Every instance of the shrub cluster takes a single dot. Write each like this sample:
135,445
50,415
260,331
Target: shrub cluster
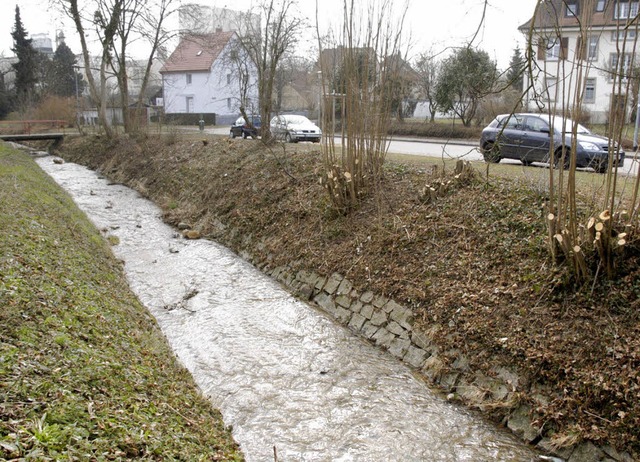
434,130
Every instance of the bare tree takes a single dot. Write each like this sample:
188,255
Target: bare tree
155,34
400,85
266,43
237,58
107,25
428,67
117,24
140,20
362,82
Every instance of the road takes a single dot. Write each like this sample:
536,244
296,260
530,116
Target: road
454,149
415,147
447,149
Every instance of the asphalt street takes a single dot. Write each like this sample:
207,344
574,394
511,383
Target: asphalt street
447,149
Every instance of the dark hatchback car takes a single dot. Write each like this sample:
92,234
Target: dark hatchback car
241,128
527,137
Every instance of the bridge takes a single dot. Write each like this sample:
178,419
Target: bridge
33,137
25,130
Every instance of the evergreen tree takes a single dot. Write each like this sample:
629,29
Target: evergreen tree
4,97
516,68
64,78
26,67
44,69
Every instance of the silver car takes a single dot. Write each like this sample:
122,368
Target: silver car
527,137
293,128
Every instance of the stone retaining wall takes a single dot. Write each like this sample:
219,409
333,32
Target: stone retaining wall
389,325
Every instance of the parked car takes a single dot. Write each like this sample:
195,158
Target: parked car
294,128
241,128
527,137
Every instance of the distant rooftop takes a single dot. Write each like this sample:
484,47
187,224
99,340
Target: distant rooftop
197,52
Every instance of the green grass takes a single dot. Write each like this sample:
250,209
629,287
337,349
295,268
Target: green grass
85,373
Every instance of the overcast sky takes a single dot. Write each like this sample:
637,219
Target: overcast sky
434,24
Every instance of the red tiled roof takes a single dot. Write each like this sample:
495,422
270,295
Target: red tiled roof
197,52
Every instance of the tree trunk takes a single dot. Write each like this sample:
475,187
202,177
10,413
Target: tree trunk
98,95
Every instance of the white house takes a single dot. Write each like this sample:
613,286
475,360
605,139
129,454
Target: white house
583,48
199,77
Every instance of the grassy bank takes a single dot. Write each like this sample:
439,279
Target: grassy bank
85,373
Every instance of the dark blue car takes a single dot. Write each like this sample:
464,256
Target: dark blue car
243,129
527,137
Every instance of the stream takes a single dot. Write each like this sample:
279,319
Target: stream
285,377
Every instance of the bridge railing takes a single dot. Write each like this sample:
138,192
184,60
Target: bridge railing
28,126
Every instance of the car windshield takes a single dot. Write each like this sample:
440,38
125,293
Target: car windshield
254,119
515,120
297,120
568,126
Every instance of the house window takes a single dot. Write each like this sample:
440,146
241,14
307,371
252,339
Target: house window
514,122
550,88
623,34
620,65
590,91
554,50
625,9
592,47
590,51
228,79
600,5
189,79
571,8
229,103
536,124
189,102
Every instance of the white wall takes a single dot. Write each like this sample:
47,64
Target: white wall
566,73
212,92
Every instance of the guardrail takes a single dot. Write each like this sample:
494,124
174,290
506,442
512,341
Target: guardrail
26,126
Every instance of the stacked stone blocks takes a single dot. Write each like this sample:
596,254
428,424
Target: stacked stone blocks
389,325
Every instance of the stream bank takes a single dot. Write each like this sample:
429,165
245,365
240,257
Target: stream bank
489,337
287,379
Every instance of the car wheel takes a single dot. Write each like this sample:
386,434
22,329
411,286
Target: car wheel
558,158
525,161
244,135
600,166
232,134
287,138
491,153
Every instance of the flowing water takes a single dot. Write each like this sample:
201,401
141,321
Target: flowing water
282,374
